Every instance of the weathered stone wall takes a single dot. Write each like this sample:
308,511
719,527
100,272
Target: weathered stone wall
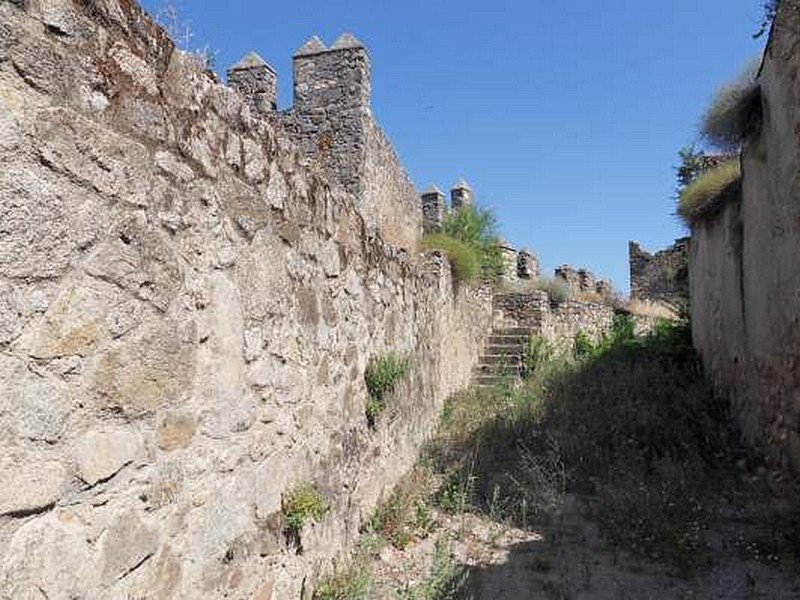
186,314
744,276
558,322
660,277
388,190
332,123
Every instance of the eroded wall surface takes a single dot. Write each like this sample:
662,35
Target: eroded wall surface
660,277
186,314
744,276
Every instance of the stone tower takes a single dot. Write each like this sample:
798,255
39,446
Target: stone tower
255,81
432,209
461,195
332,92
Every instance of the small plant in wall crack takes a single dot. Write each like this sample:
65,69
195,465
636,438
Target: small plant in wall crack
382,376
301,504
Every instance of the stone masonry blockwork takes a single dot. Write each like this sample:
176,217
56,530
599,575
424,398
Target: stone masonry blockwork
188,302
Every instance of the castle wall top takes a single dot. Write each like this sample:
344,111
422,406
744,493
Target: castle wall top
314,45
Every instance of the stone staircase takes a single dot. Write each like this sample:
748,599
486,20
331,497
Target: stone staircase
501,360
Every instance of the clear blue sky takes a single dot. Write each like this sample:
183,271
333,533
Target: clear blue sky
564,116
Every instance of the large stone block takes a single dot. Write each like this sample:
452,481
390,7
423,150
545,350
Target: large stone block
32,406
101,453
124,546
136,258
48,557
97,157
45,221
31,483
151,368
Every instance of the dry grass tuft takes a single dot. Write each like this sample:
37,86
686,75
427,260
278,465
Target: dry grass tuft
701,195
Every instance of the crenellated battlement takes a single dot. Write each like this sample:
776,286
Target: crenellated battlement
332,125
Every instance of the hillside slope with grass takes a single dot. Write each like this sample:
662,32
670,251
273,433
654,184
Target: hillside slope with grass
613,472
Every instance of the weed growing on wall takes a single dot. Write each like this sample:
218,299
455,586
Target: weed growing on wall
302,504
181,33
464,259
708,187
381,377
477,228
405,515
734,111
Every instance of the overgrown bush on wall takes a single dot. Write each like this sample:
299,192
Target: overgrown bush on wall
699,196
464,259
469,239
734,111
382,376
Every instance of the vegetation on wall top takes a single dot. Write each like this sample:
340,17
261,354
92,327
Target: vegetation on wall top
705,176
734,110
469,240
700,195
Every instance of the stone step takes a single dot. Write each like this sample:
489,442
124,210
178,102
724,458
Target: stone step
508,336
495,371
523,331
507,342
503,359
491,381
495,350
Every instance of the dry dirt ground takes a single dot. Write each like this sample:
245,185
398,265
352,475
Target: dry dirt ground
568,560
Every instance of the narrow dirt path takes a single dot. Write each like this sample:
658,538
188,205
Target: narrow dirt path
568,560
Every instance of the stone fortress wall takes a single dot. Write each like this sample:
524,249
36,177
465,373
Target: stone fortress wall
743,266
192,284
559,322
332,124
191,287
660,277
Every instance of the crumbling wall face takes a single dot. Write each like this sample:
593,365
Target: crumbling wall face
186,314
744,276
660,277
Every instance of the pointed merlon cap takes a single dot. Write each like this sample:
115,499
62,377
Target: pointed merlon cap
432,190
505,244
314,45
251,61
461,185
346,40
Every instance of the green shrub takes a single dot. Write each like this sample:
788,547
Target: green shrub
352,584
584,346
454,497
537,355
734,111
707,187
477,228
464,259
382,376
557,289
301,504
